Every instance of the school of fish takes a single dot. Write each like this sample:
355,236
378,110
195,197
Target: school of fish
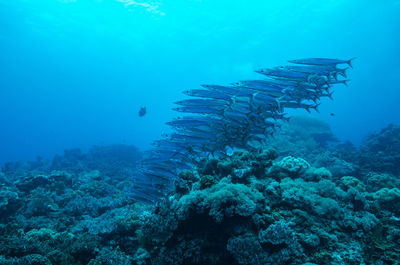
217,118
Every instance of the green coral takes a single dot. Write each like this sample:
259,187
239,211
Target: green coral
267,155
221,200
319,197
388,199
347,182
379,181
207,181
293,164
6,196
316,174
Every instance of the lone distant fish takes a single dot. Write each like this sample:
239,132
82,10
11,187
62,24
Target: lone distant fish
142,111
322,61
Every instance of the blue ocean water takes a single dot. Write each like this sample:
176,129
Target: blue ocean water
75,73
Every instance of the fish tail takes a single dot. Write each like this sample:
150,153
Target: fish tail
279,105
330,95
349,62
341,73
345,82
344,73
316,107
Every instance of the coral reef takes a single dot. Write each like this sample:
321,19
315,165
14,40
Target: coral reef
285,212
68,217
249,207
380,152
302,136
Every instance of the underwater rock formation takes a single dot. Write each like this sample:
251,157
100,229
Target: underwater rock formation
313,140
251,207
67,217
283,212
113,160
380,152
302,136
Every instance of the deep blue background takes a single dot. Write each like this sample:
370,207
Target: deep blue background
74,73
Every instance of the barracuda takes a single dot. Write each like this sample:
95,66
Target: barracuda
323,61
235,116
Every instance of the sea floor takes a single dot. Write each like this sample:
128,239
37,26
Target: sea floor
302,198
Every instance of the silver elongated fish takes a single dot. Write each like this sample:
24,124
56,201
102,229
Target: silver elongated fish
177,164
200,102
186,123
285,74
164,175
322,61
162,169
344,82
201,134
296,105
166,143
147,183
142,196
262,84
202,93
169,153
261,97
316,69
268,91
237,115
245,109
234,91
209,119
189,138
200,110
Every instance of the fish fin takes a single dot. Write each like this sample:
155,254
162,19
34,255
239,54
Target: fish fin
349,62
316,107
278,102
330,94
345,82
336,75
344,72
308,109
